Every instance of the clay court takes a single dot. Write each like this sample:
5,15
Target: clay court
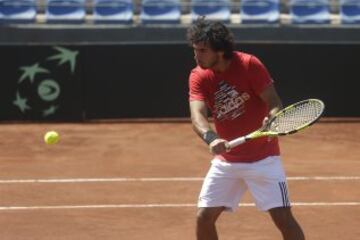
136,181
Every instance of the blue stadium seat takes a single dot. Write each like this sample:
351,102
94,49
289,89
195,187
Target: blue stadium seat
350,11
65,11
18,11
160,11
113,11
310,11
260,11
218,10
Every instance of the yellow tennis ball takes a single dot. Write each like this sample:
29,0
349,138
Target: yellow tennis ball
51,137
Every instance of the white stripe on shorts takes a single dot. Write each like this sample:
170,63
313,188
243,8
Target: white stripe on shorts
284,194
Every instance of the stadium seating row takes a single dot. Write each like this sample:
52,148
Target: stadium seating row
169,11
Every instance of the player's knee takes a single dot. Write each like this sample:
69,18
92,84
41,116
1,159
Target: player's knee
283,218
287,224
206,216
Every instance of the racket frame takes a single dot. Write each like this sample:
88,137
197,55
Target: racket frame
264,132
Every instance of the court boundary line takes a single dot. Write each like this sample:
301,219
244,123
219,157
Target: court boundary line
164,205
164,179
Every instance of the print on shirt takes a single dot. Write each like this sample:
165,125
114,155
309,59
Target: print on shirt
229,103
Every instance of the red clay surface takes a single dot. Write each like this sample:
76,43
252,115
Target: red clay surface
327,209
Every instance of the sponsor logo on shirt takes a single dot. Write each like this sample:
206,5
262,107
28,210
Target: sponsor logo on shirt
229,103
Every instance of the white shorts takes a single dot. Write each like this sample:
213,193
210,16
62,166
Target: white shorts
226,183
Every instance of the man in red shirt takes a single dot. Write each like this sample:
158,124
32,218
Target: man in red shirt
238,90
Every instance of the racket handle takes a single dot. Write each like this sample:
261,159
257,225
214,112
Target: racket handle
237,142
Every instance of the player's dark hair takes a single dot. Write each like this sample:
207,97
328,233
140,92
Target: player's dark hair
216,34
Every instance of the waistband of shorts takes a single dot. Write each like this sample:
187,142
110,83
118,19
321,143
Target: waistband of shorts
261,161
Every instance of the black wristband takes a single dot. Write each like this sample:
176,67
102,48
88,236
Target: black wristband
209,136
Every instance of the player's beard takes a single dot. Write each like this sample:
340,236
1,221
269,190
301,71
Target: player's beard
209,64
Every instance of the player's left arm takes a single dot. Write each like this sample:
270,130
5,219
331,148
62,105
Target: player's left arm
270,96
264,87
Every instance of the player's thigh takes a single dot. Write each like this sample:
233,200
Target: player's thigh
281,214
268,184
221,187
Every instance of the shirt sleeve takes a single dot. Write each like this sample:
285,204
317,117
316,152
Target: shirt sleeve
261,78
196,90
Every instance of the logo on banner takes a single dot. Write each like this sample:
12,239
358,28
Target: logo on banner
38,90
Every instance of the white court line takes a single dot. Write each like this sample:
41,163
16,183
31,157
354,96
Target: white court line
168,179
324,178
84,180
180,205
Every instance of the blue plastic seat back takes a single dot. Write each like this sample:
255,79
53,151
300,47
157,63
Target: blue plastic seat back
160,11
212,9
260,11
113,11
310,11
65,10
204,7
350,11
18,10
112,7
160,7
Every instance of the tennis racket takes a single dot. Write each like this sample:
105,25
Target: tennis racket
289,120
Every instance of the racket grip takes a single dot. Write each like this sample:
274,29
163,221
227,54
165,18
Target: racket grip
237,142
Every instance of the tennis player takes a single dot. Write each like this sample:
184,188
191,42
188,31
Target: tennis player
238,90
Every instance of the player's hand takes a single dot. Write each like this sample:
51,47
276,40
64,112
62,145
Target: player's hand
219,146
267,119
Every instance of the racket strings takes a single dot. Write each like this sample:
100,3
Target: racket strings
297,116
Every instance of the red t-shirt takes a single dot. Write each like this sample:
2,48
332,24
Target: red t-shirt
234,99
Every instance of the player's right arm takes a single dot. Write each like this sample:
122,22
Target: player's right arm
201,126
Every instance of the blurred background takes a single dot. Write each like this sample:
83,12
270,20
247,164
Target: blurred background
81,60
111,77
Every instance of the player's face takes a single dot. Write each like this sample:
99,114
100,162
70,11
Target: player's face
204,56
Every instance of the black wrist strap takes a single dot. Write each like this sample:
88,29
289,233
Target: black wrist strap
209,137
